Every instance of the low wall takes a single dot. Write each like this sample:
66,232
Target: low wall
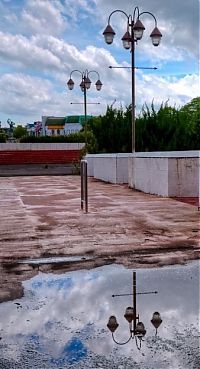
111,168
40,146
174,174
19,154
33,158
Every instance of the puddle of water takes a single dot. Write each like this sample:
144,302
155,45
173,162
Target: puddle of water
61,320
54,260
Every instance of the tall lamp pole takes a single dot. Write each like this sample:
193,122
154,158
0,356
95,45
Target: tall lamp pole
134,33
84,85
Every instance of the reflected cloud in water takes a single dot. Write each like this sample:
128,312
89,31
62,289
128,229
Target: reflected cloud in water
63,317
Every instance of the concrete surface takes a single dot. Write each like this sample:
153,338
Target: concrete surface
41,216
37,169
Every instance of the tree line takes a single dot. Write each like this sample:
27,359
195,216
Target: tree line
164,129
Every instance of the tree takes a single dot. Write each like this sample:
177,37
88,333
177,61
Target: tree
19,131
164,129
2,136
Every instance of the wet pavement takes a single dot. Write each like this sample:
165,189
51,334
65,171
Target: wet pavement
60,322
41,217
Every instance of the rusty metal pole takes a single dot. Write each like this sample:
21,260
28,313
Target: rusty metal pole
82,186
86,187
134,301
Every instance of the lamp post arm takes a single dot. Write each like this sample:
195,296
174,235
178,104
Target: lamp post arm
140,344
134,13
139,15
117,11
76,70
94,71
121,343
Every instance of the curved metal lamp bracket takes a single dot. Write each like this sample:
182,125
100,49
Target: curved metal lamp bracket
122,343
85,73
149,14
134,13
94,71
140,344
76,70
117,11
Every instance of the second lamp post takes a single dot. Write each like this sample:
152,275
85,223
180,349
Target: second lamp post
85,85
134,33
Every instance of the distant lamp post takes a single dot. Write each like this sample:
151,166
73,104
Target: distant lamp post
136,327
85,85
133,34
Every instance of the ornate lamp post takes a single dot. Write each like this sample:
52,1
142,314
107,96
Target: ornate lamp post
133,34
136,327
85,85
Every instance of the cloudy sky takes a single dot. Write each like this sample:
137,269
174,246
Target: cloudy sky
42,41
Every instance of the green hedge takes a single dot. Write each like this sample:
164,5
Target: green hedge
74,137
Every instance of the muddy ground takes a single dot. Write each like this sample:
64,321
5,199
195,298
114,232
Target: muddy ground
41,217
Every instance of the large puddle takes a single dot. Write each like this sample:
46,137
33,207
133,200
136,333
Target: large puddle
61,320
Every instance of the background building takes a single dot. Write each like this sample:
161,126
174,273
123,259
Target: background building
59,126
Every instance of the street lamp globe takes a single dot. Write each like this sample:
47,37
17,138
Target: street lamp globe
156,36
82,86
87,82
126,40
112,324
109,34
98,85
129,314
70,84
138,29
156,319
140,330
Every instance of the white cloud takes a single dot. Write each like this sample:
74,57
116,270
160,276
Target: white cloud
25,93
21,50
177,90
43,16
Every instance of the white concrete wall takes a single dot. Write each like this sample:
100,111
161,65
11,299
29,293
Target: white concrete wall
90,164
166,173
183,176
41,146
175,173
111,168
150,175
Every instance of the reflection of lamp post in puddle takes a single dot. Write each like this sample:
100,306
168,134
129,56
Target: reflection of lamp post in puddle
136,327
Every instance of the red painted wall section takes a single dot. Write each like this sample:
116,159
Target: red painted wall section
39,157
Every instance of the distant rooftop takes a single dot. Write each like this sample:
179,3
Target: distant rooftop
61,121
55,121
